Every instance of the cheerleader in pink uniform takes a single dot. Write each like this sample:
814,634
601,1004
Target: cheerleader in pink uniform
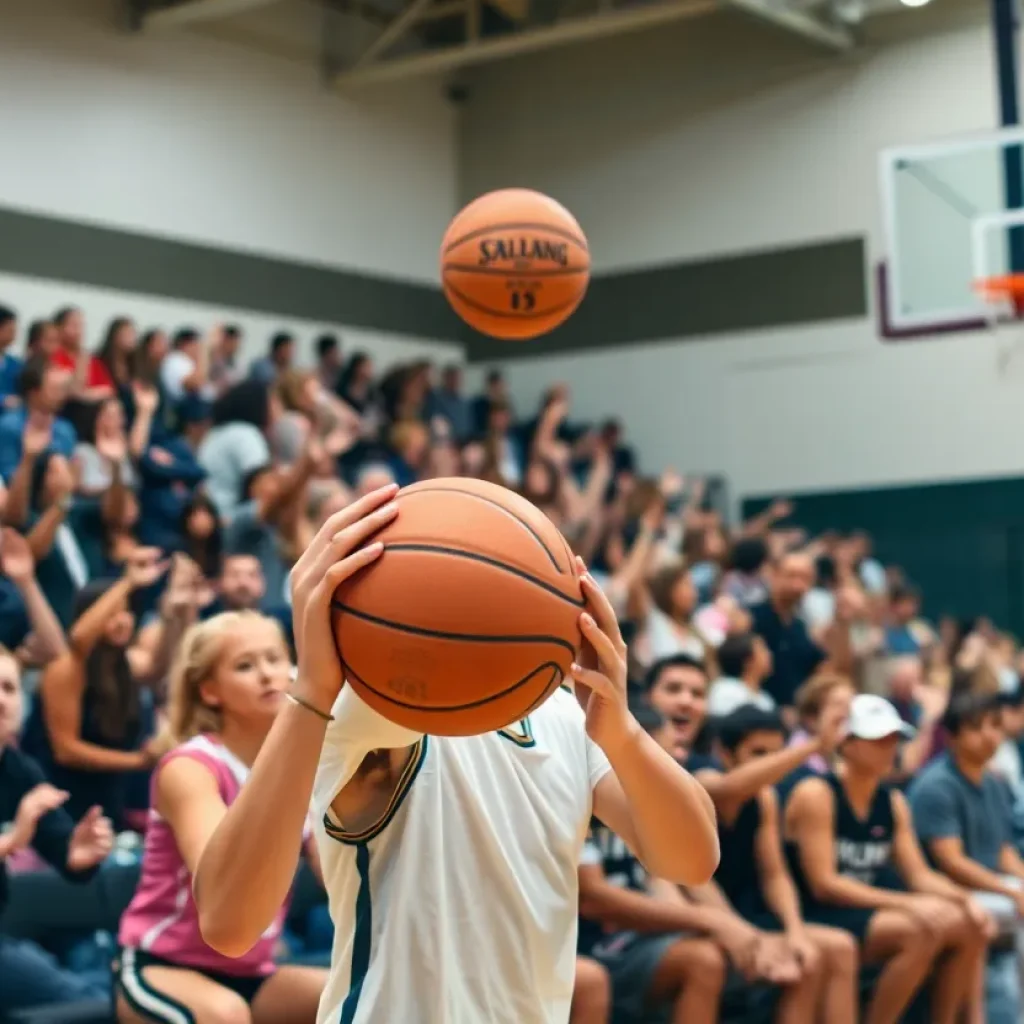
226,688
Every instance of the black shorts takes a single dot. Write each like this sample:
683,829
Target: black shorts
855,920
152,1004
632,961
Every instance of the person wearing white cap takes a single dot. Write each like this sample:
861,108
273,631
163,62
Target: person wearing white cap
849,834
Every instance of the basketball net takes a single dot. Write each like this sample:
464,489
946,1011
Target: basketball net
1004,297
1002,291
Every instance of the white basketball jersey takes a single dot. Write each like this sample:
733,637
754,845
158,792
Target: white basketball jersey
460,905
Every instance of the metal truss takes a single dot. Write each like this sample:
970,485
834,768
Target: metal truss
429,37
609,18
191,12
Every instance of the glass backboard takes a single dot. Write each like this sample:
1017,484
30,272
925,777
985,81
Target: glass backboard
950,216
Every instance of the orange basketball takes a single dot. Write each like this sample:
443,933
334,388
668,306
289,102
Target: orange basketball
469,618
514,264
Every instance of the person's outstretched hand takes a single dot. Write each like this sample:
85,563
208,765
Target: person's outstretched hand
338,551
16,561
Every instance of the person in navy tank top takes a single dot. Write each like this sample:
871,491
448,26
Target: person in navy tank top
858,866
226,688
753,876
654,943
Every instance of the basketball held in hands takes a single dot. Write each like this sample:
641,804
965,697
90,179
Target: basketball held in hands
470,617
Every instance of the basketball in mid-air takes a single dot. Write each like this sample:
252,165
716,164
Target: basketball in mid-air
470,617
514,264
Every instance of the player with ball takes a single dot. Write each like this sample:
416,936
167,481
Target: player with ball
452,773
449,861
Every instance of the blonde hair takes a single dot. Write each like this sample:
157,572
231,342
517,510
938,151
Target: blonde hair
201,648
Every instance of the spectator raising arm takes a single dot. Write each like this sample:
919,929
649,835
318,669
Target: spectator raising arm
65,680
730,790
147,400
151,656
34,441
18,566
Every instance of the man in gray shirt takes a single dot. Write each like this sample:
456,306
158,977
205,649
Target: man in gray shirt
962,814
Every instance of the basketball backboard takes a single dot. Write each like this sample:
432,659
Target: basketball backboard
952,216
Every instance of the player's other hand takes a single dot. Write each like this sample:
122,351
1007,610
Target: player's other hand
338,551
600,673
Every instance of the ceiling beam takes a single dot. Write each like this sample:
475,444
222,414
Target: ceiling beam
797,22
394,31
192,11
574,30
514,10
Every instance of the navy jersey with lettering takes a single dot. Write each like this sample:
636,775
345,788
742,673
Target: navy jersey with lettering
620,868
863,846
737,873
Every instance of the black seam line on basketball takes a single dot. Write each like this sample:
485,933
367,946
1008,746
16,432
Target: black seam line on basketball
349,671
470,268
569,555
438,634
495,229
553,683
504,566
533,314
507,511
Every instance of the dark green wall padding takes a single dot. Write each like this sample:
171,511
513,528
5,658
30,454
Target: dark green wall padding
810,282
962,543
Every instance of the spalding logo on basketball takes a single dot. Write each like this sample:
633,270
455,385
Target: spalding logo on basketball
514,264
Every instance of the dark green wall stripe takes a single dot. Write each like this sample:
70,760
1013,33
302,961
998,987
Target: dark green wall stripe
63,250
794,285
771,288
961,542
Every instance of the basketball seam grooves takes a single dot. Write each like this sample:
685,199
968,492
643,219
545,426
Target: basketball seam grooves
570,556
349,671
507,511
526,225
469,268
458,553
439,634
534,314
554,682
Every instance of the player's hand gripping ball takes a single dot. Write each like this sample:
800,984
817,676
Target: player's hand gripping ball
600,673
343,546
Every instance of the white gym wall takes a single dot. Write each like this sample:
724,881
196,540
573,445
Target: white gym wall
179,136
721,136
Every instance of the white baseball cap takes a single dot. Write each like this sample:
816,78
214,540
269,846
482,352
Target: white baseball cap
874,718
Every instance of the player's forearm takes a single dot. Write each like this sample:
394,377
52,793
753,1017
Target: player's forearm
848,892
8,845
1011,863
736,787
780,895
672,815
972,875
248,866
623,910
43,620
934,884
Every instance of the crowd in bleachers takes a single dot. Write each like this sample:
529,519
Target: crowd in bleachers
866,766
